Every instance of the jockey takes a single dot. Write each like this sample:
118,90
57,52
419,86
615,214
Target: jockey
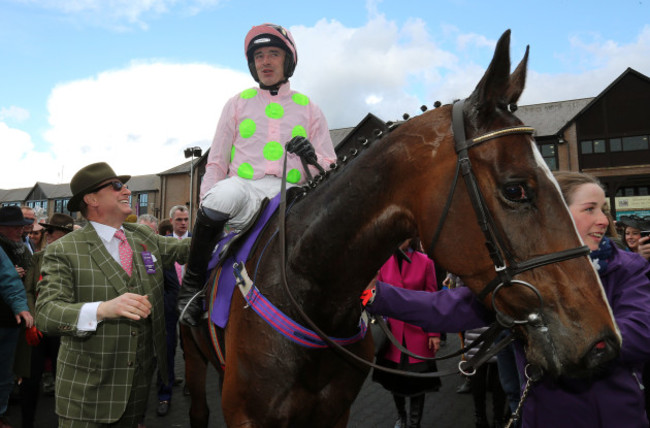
246,157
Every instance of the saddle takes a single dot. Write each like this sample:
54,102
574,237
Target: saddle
235,247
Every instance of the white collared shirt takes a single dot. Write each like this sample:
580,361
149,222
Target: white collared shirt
88,314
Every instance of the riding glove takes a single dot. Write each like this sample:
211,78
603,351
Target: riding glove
302,147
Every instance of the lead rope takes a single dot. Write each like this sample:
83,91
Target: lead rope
530,379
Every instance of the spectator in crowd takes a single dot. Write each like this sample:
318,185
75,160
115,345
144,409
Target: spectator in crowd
245,161
28,214
633,227
165,227
33,348
149,220
410,269
37,237
179,217
102,290
13,299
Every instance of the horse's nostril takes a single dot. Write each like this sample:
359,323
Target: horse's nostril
600,345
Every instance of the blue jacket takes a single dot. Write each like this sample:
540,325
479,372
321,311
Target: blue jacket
614,399
13,299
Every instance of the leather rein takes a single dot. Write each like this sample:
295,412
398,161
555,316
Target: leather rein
504,268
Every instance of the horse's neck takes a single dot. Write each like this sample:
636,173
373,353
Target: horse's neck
353,224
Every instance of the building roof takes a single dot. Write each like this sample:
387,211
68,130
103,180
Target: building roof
184,168
54,191
337,135
144,183
550,118
15,195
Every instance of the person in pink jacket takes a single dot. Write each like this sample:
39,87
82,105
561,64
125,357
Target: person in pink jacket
245,164
410,269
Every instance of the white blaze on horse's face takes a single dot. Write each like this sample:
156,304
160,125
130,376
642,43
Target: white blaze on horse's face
543,166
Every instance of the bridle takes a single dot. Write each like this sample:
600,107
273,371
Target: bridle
505,265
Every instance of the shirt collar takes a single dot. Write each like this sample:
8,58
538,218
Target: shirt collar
105,232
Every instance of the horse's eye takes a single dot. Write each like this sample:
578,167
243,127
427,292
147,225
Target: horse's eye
516,192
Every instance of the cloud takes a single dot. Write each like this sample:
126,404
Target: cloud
378,67
594,64
25,163
115,13
138,119
14,113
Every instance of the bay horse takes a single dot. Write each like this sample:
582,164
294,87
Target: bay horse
347,226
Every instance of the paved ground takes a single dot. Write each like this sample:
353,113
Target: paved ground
373,408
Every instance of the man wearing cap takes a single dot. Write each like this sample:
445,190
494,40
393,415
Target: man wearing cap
13,299
245,161
102,291
28,214
34,347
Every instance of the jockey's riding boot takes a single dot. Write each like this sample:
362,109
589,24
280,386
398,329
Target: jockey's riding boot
416,410
207,231
400,403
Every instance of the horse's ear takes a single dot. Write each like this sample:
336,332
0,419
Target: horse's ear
493,87
518,80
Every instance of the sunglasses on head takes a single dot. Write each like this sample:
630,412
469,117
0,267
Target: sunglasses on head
117,186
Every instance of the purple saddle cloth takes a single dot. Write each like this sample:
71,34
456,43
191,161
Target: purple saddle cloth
226,284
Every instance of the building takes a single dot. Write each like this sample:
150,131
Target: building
606,136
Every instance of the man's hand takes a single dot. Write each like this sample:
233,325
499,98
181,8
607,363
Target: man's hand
27,317
20,271
128,305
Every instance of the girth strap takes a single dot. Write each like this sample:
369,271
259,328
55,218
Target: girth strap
281,322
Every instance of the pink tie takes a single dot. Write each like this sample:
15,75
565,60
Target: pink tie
126,253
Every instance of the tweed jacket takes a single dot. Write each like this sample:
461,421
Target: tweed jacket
96,368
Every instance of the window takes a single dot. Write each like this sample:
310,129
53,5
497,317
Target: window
586,147
599,146
38,204
549,153
144,203
633,191
639,142
61,206
615,145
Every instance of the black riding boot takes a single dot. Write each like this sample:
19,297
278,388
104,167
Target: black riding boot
207,231
416,410
400,403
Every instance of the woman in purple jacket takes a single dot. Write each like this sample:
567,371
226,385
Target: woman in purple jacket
613,398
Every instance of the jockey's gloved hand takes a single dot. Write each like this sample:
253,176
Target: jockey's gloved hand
302,147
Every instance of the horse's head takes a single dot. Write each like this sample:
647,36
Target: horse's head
558,308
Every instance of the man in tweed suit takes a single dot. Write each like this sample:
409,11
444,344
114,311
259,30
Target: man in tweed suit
105,299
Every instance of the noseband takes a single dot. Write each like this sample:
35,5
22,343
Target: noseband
504,264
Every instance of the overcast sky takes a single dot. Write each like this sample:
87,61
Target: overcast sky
135,82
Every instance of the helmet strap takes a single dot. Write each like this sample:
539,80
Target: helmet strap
273,89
